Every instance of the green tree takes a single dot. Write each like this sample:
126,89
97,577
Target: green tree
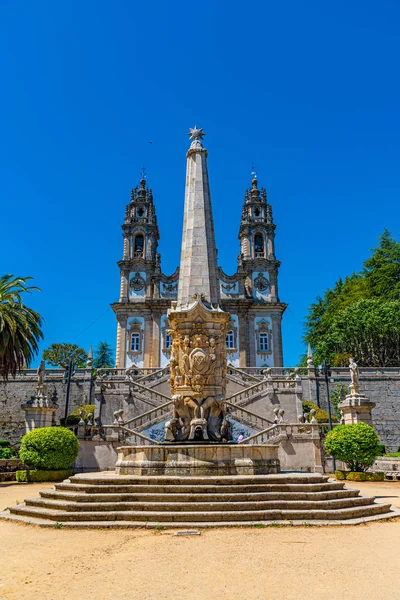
340,324
368,330
103,356
60,355
20,326
382,270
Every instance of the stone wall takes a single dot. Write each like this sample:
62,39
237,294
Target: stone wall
382,386
16,391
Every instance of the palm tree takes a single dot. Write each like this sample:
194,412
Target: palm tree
20,326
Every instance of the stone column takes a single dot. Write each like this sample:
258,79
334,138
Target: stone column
126,246
271,245
148,340
121,341
156,339
277,340
242,316
250,341
123,296
274,286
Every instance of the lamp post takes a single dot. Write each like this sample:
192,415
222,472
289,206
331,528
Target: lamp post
69,375
326,373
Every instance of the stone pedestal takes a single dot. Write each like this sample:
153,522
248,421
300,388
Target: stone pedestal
356,408
39,410
196,459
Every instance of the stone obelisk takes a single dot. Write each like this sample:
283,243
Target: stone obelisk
198,273
198,324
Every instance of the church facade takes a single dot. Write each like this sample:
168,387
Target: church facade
250,296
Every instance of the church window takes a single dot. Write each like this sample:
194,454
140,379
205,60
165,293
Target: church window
140,211
139,245
230,339
263,340
135,342
168,341
259,245
257,212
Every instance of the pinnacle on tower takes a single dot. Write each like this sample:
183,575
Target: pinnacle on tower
198,266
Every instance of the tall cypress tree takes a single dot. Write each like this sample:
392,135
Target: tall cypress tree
103,356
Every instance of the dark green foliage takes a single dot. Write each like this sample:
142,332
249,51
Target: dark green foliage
32,475
356,445
103,356
393,454
49,448
6,453
382,449
20,326
360,476
321,415
75,416
60,355
337,394
360,316
4,443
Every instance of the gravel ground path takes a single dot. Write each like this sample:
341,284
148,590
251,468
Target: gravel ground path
275,563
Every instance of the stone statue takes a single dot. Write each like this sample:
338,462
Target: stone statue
41,372
354,375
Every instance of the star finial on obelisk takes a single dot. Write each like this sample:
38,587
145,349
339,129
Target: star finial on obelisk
196,133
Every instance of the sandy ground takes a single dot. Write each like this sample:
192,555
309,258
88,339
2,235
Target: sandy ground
277,563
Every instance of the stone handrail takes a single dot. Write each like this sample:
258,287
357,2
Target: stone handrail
121,373
152,394
150,417
136,434
242,375
263,436
120,431
247,416
289,430
249,392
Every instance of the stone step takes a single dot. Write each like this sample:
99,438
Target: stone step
171,489
205,517
78,496
281,478
199,506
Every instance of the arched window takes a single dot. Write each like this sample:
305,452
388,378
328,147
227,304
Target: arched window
139,245
263,341
257,212
230,340
135,342
259,245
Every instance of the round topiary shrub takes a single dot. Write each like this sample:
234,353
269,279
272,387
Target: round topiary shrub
356,445
49,448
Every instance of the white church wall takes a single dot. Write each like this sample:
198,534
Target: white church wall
232,356
164,355
135,356
263,337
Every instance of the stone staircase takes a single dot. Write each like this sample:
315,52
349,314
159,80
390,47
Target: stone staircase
109,500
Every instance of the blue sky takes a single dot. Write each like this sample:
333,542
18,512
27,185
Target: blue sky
308,91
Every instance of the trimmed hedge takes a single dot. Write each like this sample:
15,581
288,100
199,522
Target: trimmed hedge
356,445
359,476
35,475
49,448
